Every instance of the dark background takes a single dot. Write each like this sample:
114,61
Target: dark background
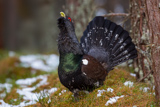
30,26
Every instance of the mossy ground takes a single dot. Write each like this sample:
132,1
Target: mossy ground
9,68
115,80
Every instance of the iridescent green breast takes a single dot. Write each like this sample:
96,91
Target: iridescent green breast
70,62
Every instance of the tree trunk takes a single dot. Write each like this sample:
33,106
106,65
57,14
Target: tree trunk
10,23
153,15
140,35
145,23
1,24
81,12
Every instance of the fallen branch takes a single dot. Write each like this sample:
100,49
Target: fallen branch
116,14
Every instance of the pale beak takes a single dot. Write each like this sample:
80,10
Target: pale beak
62,14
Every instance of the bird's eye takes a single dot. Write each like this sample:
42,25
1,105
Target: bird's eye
69,19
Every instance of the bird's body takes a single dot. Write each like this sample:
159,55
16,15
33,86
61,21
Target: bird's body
84,65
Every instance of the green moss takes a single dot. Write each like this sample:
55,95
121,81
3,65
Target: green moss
10,68
133,96
114,80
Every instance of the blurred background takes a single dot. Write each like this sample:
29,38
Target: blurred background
30,26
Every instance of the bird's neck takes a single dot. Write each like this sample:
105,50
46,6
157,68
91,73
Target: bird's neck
68,42
69,62
70,51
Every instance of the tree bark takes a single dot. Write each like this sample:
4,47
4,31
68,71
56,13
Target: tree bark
145,29
153,15
140,35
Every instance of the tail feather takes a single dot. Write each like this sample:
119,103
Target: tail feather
125,52
116,32
122,47
122,37
107,42
125,58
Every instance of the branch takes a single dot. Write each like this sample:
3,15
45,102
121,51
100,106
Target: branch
145,76
145,54
116,14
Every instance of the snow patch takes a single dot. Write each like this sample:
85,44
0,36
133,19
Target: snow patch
153,88
144,89
63,91
11,53
3,104
100,92
129,84
110,90
29,81
113,100
134,106
132,74
41,62
33,97
27,92
6,86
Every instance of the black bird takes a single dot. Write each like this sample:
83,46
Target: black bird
84,65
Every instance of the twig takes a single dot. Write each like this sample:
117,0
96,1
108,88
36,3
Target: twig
144,76
116,14
145,54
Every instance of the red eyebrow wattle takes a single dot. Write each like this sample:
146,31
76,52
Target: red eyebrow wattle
69,19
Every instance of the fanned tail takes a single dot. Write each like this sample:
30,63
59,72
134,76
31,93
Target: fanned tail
108,42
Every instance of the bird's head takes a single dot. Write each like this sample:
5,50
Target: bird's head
65,22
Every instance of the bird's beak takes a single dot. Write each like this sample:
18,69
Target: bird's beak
62,14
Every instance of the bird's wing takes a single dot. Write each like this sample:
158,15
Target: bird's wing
92,68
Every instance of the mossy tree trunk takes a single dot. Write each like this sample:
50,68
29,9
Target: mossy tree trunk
145,23
140,35
81,12
153,15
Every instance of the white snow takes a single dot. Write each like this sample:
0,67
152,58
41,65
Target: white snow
154,93
29,81
3,104
29,95
63,91
134,106
2,95
27,92
100,92
11,53
22,104
110,90
6,86
153,88
144,89
129,84
113,100
132,74
41,62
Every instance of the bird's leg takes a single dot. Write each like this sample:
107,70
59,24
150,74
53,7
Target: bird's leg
76,94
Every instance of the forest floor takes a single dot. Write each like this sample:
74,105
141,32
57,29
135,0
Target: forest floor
32,81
